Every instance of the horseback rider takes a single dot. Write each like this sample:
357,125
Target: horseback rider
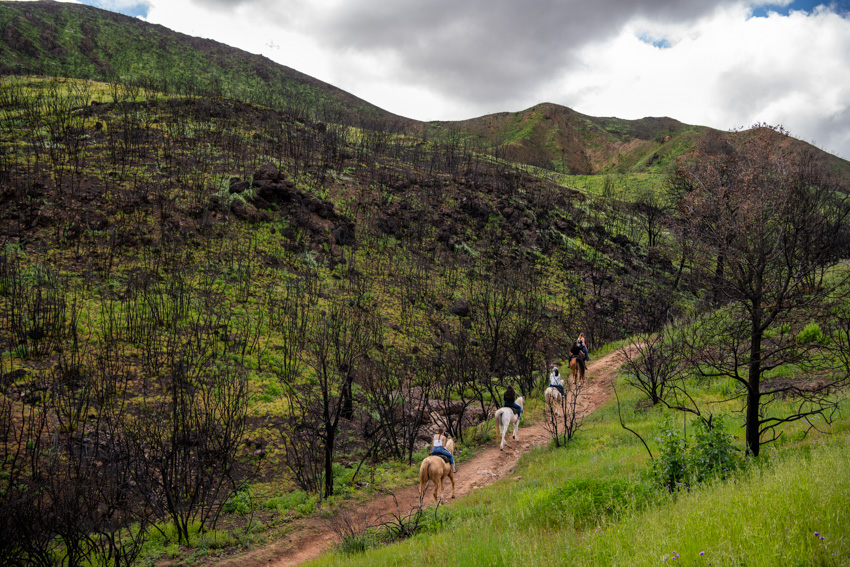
510,401
439,448
577,352
581,342
555,380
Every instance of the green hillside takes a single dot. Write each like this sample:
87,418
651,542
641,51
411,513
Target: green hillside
73,40
562,140
228,311
558,138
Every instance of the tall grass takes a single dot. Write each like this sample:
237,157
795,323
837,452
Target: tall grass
792,512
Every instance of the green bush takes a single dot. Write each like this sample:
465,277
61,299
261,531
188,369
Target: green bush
811,335
682,464
669,468
240,502
712,452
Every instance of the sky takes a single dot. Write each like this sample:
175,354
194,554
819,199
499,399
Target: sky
727,64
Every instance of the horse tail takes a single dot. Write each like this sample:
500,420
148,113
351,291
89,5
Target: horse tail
501,422
424,470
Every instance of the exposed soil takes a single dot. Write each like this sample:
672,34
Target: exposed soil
314,536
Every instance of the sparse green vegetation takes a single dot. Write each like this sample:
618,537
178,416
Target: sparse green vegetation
222,311
595,503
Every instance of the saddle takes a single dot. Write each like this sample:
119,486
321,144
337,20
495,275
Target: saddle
516,411
442,456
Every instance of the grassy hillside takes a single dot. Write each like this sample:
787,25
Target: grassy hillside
558,138
166,256
595,503
562,140
73,40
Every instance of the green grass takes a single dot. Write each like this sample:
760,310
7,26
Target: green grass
594,503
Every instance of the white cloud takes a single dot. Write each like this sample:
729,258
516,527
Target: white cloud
725,71
448,59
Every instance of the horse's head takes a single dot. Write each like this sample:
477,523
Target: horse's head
520,401
450,446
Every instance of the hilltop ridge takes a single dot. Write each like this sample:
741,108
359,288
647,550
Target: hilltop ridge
79,41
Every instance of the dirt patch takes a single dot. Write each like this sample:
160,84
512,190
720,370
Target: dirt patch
314,536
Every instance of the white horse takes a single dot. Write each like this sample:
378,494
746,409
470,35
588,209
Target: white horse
505,417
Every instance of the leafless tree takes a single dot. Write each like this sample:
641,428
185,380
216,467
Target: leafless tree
655,362
770,224
397,388
563,419
339,338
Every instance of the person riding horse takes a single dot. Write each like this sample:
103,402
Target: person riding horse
577,352
510,401
440,450
555,380
583,344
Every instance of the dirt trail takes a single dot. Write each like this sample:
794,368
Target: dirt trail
314,536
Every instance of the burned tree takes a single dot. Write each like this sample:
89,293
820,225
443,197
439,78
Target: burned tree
770,224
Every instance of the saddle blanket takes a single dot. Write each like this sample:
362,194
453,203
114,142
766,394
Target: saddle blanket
442,456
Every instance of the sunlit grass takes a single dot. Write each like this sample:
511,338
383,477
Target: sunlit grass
593,503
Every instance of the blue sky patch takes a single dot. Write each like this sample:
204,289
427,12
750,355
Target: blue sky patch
134,9
840,6
659,42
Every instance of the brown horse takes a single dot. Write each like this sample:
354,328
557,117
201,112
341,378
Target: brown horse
578,370
435,469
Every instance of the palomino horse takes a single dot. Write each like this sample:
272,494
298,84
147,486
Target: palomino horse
578,370
553,397
505,417
435,469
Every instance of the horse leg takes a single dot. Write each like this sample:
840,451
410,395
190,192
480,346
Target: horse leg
438,489
423,486
516,426
452,478
424,477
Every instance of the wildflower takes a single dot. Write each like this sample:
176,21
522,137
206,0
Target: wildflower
701,553
817,534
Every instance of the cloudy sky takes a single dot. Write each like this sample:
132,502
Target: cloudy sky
720,63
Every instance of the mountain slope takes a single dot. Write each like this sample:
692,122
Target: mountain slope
73,40
80,41
556,137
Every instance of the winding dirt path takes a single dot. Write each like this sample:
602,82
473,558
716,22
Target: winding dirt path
314,536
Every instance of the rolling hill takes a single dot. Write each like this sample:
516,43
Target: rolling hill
73,40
